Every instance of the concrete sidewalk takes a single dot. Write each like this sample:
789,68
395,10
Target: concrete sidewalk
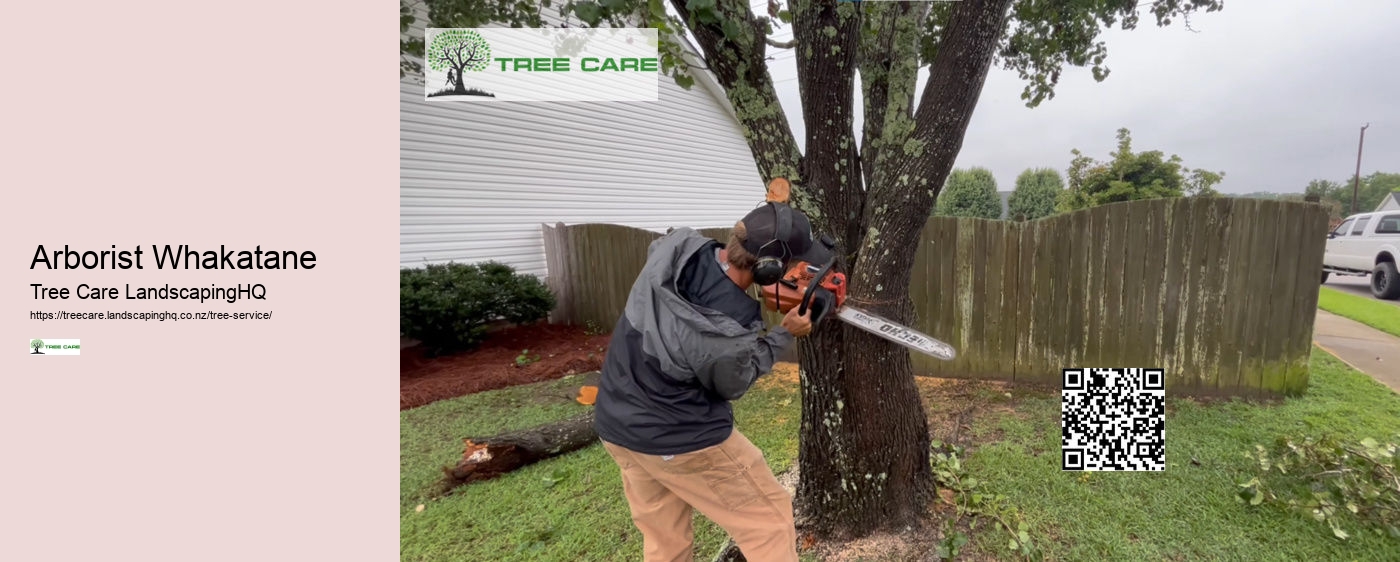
1369,350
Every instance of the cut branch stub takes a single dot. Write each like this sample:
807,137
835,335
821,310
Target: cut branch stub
779,190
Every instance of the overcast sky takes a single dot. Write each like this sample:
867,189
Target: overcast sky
1272,93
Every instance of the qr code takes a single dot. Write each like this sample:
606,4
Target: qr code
1113,419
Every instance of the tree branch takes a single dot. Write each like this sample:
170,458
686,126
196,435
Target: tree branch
781,44
829,33
901,196
889,72
737,62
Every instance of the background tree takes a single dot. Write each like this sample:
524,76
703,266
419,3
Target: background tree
1201,183
1324,188
970,193
864,450
1129,176
1036,192
1373,190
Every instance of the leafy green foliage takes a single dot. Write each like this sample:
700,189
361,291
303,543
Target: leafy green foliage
952,543
525,358
1045,36
1041,38
1372,190
1035,194
970,193
410,47
1331,481
974,500
448,306
1130,176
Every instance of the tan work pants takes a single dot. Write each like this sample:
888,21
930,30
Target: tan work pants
729,483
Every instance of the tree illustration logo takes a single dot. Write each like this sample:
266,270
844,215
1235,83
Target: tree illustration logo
458,51
36,344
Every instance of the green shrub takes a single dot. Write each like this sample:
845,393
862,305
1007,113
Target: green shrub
448,306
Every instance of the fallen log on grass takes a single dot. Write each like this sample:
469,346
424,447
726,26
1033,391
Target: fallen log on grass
487,458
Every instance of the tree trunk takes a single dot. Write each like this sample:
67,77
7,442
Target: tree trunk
739,66
865,442
864,446
484,459
864,454
461,85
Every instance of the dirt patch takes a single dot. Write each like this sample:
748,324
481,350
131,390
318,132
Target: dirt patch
554,351
953,405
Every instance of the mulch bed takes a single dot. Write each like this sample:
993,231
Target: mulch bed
562,351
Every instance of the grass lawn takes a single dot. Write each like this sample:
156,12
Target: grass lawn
1381,316
572,507
1187,512
567,508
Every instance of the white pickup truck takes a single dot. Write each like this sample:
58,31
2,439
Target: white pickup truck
1366,244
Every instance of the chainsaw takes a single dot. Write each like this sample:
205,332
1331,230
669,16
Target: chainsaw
819,290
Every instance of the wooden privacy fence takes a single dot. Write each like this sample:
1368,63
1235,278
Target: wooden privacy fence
1219,292
592,268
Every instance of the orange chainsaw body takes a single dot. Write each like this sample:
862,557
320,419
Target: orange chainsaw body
789,292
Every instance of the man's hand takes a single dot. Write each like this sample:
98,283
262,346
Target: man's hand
799,325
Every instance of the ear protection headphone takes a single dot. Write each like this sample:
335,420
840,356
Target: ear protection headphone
773,255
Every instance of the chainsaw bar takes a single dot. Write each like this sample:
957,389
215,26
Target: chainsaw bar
902,335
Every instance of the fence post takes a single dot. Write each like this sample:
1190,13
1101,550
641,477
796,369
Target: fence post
557,257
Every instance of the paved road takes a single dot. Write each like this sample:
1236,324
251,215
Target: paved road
1360,286
1371,351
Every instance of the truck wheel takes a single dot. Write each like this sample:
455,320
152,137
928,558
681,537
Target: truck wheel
1324,276
1385,281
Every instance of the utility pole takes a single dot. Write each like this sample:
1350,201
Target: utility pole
1356,182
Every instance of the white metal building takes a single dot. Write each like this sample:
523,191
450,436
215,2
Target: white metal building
1390,203
478,180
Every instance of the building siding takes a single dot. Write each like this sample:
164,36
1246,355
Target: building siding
1390,203
478,180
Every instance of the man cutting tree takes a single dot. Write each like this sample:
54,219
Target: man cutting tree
689,341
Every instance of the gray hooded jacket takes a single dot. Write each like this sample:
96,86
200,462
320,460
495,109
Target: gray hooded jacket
688,342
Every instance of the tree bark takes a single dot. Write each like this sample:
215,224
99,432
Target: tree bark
738,63
865,445
828,35
484,459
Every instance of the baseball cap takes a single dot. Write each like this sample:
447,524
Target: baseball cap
803,245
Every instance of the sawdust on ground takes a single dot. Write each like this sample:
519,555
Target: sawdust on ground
952,406
910,545
784,373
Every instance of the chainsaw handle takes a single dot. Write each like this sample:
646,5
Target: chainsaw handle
812,287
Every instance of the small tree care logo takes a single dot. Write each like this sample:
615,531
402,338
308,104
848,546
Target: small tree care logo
459,51
50,346
502,65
